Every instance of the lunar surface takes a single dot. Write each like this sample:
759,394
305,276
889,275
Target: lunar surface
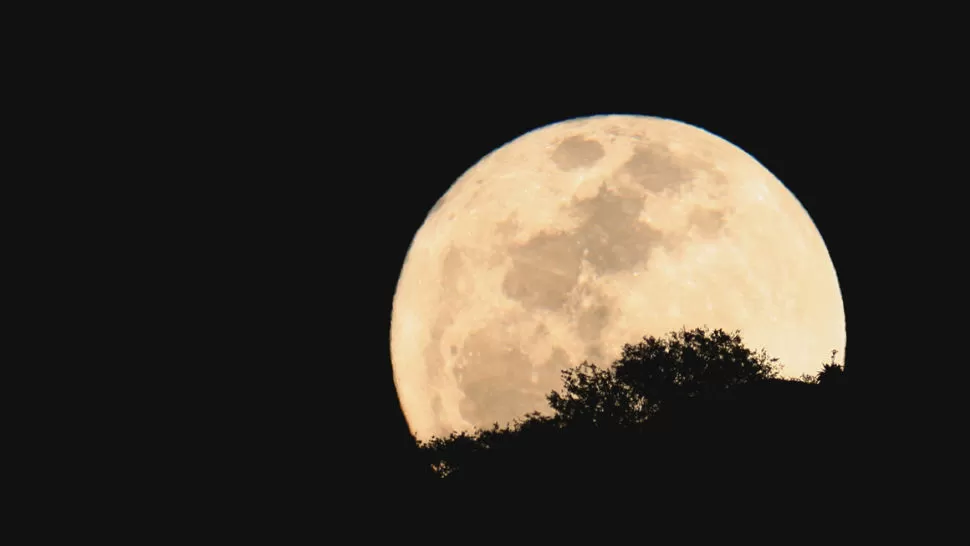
578,237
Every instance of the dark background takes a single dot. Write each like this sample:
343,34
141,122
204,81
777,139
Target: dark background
321,167
255,180
407,147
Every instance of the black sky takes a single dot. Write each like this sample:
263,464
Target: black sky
331,172
415,145
294,172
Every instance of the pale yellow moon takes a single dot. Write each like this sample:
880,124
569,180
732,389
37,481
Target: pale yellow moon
580,236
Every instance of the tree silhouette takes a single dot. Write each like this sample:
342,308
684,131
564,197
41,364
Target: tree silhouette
617,417
689,363
832,374
684,364
594,397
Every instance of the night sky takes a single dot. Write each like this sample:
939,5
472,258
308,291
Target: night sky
333,177
293,173
422,144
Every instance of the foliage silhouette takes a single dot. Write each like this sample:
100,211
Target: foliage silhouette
594,397
832,374
667,403
689,363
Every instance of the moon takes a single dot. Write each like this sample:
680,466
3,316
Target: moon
580,236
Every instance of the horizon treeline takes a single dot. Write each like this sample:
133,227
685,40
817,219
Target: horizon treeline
693,383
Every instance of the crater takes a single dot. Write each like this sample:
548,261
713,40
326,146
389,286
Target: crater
611,232
610,237
496,378
577,152
708,221
656,169
544,270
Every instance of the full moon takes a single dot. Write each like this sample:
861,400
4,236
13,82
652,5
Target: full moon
578,237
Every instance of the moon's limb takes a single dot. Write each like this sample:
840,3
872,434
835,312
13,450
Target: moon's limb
581,236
